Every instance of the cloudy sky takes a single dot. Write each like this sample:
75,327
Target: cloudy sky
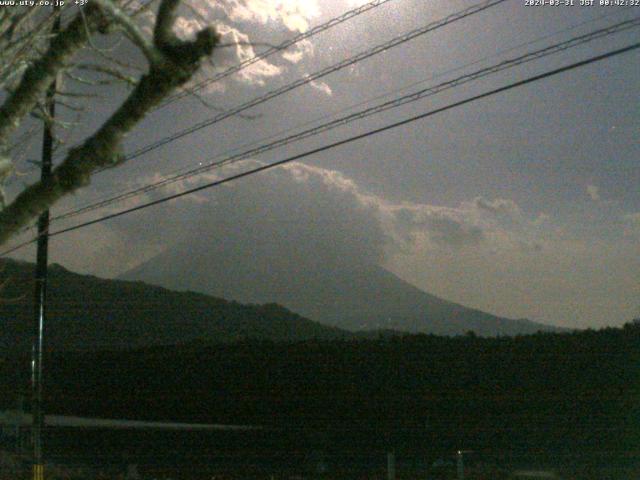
524,204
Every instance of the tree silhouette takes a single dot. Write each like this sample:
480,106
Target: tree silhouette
33,57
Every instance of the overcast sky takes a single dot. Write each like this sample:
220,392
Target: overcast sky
525,204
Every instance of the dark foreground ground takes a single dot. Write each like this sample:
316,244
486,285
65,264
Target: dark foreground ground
567,403
147,455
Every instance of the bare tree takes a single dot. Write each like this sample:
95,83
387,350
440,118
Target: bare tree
32,57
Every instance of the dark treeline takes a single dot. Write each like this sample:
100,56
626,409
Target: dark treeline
87,313
556,394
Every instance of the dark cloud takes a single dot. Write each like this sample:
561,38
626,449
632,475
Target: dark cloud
304,211
498,206
447,231
294,212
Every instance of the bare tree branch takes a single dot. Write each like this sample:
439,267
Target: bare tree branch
163,35
131,28
177,62
19,47
41,73
117,75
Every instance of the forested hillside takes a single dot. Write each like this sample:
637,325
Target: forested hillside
559,394
88,313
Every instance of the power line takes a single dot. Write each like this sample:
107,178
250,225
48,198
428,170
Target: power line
278,48
330,146
271,50
472,10
175,175
403,100
477,8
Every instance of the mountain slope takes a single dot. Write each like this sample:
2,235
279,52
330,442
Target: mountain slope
342,292
86,312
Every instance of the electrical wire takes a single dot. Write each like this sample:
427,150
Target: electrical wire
330,146
271,50
177,174
454,17
349,61
277,48
403,100
472,10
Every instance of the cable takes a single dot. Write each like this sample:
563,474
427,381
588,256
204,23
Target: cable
274,49
310,78
409,98
406,87
277,48
178,174
330,146
319,74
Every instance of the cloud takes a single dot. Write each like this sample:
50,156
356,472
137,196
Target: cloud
483,252
237,49
419,226
296,210
450,232
308,210
594,192
293,14
242,51
334,213
186,27
297,52
499,206
322,87
413,226
234,19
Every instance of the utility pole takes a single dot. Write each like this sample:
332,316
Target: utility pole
391,465
41,283
460,465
